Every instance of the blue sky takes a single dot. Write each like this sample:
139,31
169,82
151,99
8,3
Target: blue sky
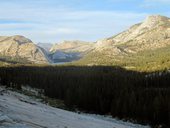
56,20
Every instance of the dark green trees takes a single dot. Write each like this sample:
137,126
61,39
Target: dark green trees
143,97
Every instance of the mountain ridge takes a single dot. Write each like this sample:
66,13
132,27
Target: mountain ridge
152,24
152,34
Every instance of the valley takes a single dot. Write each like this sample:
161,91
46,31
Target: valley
143,46
125,76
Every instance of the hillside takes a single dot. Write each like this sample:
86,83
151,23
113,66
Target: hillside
147,42
21,47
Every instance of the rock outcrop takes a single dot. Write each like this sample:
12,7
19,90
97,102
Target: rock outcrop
153,33
21,47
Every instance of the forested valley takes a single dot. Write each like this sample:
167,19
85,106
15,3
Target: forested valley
137,96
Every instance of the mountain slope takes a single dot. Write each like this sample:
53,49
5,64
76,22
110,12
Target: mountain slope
150,36
153,33
21,47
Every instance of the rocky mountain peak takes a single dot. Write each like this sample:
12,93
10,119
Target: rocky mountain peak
153,23
21,39
20,46
155,20
150,35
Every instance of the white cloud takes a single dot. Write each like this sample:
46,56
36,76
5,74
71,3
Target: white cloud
61,23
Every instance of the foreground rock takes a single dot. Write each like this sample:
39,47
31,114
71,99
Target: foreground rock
19,111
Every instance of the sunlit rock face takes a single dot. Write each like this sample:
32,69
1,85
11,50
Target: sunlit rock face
19,46
153,33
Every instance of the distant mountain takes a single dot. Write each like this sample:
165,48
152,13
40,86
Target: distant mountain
144,38
68,51
21,47
153,33
46,46
144,46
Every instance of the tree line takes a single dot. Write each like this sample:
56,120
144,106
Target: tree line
141,97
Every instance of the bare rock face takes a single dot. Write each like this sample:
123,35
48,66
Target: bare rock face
153,33
19,46
155,21
151,23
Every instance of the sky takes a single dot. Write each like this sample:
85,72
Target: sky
51,21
